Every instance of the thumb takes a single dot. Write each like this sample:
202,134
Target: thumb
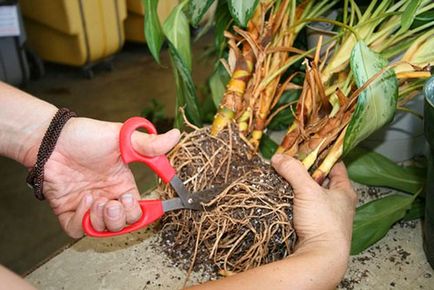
339,177
295,173
155,144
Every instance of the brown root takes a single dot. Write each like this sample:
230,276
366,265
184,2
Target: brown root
249,223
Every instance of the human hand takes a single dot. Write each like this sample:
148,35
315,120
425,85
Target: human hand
323,220
323,217
86,171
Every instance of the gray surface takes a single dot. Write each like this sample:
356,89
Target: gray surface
129,262
396,262
25,223
135,262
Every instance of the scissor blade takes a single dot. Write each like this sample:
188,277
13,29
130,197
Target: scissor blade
172,204
185,195
189,200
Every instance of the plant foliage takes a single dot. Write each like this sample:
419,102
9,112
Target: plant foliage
370,168
242,11
376,104
153,31
373,219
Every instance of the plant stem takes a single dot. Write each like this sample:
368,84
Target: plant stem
332,157
337,23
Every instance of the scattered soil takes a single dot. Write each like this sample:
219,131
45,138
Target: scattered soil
350,283
247,224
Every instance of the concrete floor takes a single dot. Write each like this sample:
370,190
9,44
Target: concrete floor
136,262
29,231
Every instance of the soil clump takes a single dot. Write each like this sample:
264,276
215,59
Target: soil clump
247,224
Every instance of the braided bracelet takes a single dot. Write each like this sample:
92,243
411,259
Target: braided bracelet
35,178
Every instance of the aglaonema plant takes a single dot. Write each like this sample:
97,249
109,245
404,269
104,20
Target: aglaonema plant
375,107
331,104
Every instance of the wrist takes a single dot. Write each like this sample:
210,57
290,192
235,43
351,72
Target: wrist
327,252
325,240
31,138
324,266
36,175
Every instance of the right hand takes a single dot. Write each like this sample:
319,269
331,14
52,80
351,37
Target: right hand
322,216
323,220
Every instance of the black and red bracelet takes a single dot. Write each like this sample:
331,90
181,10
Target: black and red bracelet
35,178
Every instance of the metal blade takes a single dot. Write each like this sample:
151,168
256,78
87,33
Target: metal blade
193,201
172,204
207,195
185,196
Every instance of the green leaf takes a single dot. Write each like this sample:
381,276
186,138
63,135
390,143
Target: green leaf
370,168
217,83
289,96
196,10
154,112
177,31
242,11
397,49
423,18
222,21
416,211
185,90
153,33
208,108
376,104
428,91
267,146
374,219
285,117
282,120
409,14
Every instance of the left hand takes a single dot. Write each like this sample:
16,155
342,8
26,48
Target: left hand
86,172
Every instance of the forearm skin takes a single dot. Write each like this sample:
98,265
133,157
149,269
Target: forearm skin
310,268
23,122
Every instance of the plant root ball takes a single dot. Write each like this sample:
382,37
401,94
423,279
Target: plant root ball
247,224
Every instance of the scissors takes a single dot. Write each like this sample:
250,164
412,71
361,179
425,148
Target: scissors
151,209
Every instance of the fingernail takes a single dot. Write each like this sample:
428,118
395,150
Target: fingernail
127,200
114,211
88,200
174,133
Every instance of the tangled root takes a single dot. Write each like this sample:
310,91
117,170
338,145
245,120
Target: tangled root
249,222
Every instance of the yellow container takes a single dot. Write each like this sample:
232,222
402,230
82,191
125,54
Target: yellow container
74,32
134,25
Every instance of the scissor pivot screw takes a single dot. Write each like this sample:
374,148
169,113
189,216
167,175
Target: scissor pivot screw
190,200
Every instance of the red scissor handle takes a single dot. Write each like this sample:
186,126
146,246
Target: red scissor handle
152,210
159,164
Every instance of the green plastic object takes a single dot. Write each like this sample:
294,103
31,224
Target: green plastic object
429,209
